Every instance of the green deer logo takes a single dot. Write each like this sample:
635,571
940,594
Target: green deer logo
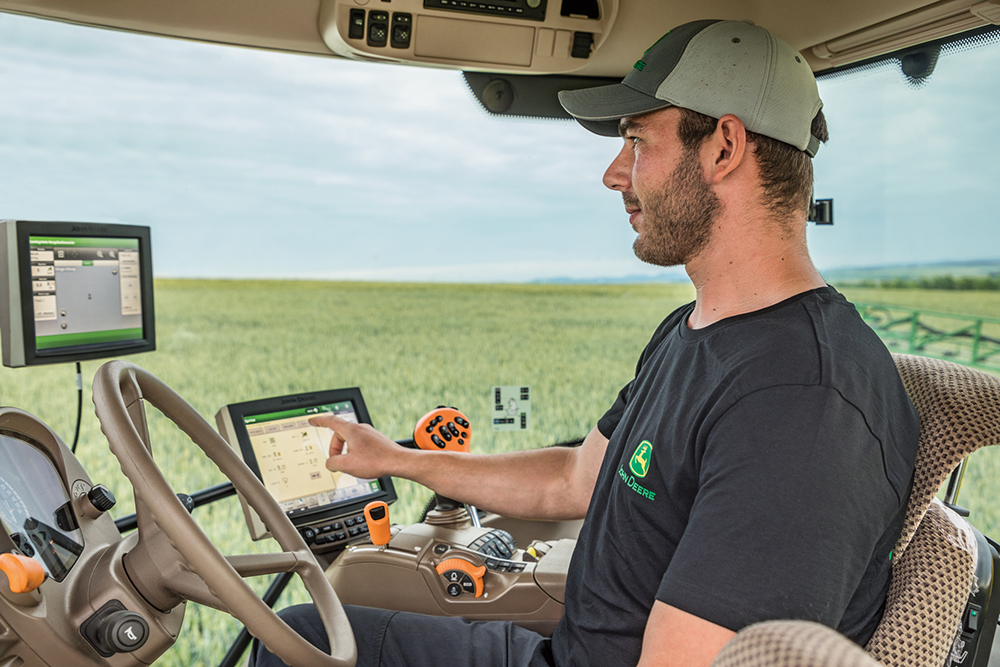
639,464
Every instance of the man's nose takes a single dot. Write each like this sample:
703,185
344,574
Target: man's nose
619,173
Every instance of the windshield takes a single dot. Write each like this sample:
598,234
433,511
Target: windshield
445,253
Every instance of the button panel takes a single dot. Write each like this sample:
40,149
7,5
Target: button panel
496,543
523,9
504,565
335,532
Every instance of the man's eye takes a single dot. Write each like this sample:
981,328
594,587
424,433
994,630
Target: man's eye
634,140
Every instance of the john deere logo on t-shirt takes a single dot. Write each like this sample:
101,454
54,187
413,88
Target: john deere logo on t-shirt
639,465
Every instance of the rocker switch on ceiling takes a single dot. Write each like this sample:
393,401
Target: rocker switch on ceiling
378,28
402,30
356,29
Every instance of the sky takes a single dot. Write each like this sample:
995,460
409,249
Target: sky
253,164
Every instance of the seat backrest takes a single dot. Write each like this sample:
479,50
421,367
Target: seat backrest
959,410
928,592
791,644
935,558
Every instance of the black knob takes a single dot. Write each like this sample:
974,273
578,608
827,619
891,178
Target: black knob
123,631
101,498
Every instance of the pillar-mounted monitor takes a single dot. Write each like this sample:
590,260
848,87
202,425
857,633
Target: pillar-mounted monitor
73,291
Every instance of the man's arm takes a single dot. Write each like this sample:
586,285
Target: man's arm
554,483
677,638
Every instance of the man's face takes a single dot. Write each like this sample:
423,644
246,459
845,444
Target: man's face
670,205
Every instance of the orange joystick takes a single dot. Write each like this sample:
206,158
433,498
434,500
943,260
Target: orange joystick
23,574
443,428
377,518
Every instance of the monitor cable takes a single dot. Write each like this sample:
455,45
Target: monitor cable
79,405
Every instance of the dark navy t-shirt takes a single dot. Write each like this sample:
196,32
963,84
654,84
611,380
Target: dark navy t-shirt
757,469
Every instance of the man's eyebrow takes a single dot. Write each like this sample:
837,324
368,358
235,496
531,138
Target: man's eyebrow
627,124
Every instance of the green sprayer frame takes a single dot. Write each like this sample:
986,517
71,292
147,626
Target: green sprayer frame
964,339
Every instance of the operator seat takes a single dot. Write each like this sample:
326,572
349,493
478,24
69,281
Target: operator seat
935,560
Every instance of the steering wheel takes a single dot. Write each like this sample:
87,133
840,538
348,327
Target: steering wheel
174,560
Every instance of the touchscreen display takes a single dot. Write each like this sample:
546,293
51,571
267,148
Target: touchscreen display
85,291
291,454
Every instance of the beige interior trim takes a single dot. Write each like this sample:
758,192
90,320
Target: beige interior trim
936,21
828,33
470,41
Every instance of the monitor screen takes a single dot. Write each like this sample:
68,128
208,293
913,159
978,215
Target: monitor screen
288,454
75,291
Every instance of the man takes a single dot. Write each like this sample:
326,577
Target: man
759,463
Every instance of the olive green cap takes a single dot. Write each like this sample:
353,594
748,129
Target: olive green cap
714,68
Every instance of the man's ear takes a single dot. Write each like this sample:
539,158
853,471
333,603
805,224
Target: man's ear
725,149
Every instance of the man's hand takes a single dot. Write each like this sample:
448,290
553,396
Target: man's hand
358,449
561,479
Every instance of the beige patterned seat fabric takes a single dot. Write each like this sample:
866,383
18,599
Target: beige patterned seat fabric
934,560
928,592
791,644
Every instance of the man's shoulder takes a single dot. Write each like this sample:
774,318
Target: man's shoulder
795,341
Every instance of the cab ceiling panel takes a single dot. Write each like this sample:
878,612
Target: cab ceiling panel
268,24
590,38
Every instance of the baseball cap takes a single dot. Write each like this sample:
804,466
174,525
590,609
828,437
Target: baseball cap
714,68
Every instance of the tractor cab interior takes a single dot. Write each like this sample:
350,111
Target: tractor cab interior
83,587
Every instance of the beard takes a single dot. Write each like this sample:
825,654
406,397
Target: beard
677,225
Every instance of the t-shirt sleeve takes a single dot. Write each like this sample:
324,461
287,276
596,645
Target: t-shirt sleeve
606,424
785,520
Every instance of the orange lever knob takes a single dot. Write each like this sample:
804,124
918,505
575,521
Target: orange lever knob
377,518
23,574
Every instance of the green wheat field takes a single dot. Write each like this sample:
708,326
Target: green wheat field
409,347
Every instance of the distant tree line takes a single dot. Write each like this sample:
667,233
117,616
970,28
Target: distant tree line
946,282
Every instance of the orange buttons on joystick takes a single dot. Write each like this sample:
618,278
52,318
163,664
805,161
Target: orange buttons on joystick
462,576
443,428
377,518
23,574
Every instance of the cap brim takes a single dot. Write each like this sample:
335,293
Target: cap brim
599,109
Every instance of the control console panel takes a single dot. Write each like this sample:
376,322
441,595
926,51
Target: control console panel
515,36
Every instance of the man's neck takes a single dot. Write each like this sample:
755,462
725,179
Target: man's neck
741,273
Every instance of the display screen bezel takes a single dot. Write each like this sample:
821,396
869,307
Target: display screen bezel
239,411
102,350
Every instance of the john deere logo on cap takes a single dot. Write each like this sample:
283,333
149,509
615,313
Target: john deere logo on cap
639,465
639,64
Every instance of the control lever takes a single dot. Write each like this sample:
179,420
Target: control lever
23,574
377,518
445,429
